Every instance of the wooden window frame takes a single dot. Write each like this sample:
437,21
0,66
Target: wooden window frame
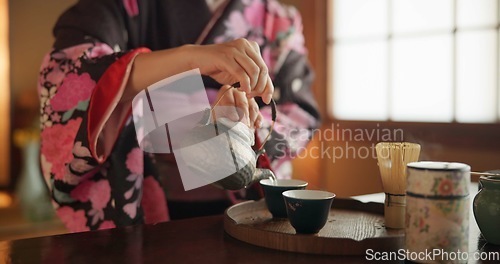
465,135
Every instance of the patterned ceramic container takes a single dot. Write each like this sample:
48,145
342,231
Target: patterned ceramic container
437,210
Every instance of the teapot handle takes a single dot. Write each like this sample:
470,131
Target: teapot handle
273,121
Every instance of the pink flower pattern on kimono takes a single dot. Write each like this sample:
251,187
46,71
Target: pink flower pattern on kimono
131,209
57,64
284,26
137,180
70,178
245,24
46,94
135,161
55,117
254,14
75,53
74,89
135,164
80,163
276,25
74,220
54,72
99,50
99,194
58,144
81,151
237,26
276,8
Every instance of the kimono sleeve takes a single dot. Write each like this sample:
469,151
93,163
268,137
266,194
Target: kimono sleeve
79,90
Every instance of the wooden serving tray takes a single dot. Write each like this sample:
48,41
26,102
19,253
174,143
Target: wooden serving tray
352,228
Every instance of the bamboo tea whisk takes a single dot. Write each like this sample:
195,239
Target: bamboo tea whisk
392,160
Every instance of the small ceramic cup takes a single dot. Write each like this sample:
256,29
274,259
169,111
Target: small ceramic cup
273,190
308,210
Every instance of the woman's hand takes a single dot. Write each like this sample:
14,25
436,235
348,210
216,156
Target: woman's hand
231,62
234,104
227,63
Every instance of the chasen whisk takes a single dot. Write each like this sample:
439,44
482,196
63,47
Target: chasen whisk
392,160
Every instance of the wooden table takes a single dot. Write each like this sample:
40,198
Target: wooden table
197,240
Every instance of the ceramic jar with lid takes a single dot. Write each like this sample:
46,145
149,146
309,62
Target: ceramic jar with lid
437,209
486,208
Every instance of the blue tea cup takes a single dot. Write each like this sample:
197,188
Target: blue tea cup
308,210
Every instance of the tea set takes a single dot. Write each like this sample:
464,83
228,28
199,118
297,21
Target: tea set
429,199
307,210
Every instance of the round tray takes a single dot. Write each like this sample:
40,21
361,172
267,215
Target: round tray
352,228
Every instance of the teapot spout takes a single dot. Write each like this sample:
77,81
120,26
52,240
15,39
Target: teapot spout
261,174
244,178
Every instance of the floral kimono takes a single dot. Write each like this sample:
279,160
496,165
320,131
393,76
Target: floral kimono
98,176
